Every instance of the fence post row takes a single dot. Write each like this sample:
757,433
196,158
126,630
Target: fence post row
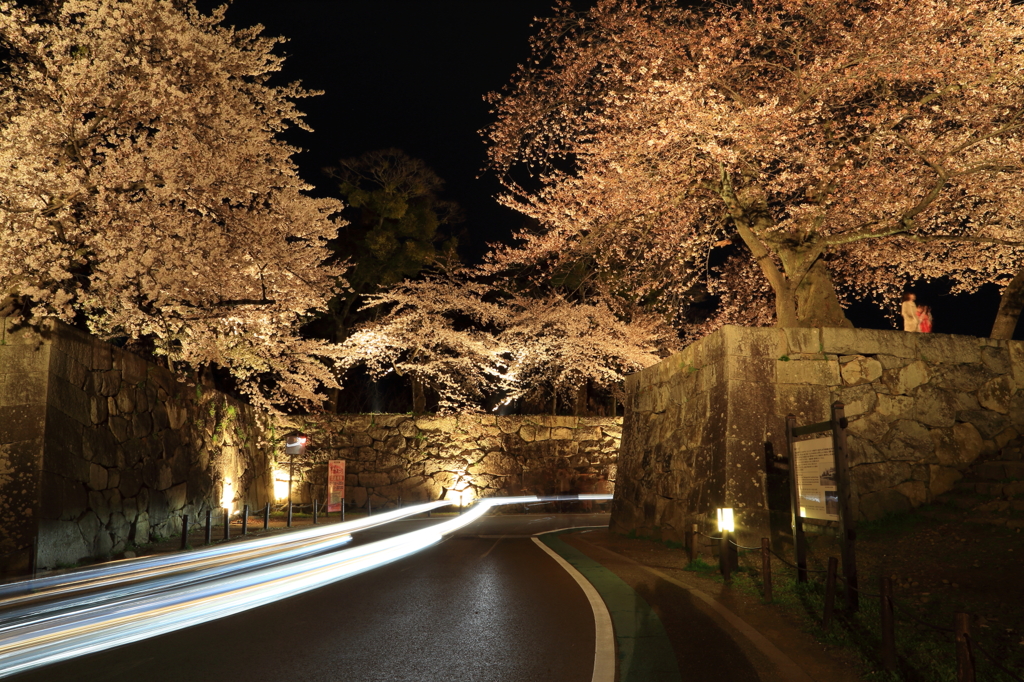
888,625
766,568
847,529
830,592
799,542
964,655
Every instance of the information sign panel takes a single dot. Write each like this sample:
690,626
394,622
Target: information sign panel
816,479
335,484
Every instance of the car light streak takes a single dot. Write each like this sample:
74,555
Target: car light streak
65,635
143,568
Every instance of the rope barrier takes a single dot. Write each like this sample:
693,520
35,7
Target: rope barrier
937,628
993,661
739,546
809,570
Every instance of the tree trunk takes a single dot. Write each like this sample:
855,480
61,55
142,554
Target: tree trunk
1010,306
419,400
817,304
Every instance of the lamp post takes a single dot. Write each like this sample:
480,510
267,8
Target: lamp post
726,554
294,444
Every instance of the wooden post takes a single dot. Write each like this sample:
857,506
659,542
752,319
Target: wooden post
766,569
245,519
964,655
724,564
847,528
888,626
184,531
227,524
799,542
830,592
315,519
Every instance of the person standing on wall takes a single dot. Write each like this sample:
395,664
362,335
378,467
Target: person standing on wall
924,319
909,311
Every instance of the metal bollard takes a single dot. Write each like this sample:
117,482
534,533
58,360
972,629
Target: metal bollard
830,592
399,501
227,524
343,511
964,655
184,531
766,568
694,535
245,519
314,512
209,526
888,626
369,507
266,516
289,513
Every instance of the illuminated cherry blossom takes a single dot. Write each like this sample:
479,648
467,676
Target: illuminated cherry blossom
143,187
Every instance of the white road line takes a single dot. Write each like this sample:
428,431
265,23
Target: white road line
604,645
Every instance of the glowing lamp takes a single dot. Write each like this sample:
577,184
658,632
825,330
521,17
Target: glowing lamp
227,498
280,485
725,520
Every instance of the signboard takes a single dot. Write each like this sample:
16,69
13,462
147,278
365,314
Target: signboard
816,479
335,484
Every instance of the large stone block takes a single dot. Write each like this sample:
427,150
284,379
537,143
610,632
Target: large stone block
947,348
25,388
69,399
934,406
996,393
860,370
813,372
876,505
24,359
757,342
844,341
21,422
60,544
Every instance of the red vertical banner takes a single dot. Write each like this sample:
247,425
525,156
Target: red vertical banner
335,484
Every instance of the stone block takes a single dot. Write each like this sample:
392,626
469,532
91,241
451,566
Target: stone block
25,388
967,446
21,422
60,544
24,359
916,492
857,400
934,406
845,341
67,368
942,479
176,497
133,368
997,359
803,340
69,399
988,423
948,348
996,393
814,372
893,407
125,400
868,478
909,440
434,424
764,342
861,370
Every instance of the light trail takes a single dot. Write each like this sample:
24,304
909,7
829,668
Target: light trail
67,635
144,568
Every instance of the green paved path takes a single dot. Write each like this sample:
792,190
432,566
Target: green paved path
644,651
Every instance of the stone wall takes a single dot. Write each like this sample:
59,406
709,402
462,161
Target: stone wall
922,408
100,449
391,457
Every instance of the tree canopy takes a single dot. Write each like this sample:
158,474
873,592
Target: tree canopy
144,189
825,142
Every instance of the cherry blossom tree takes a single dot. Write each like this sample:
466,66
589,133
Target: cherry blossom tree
848,144
470,341
144,189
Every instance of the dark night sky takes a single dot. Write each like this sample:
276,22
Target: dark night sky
404,73
412,74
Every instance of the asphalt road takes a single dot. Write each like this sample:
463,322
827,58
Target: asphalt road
471,608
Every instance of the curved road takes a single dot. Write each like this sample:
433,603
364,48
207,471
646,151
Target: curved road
470,608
